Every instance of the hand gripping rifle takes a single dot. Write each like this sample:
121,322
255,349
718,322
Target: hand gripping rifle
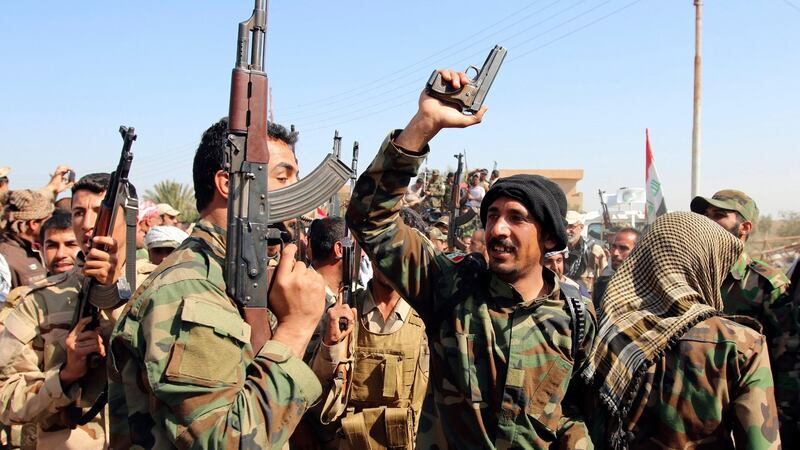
117,194
251,210
455,200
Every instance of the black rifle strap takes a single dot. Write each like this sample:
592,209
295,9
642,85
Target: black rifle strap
577,311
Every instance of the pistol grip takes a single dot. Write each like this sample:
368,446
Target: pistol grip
462,98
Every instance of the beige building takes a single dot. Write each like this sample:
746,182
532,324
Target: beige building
566,178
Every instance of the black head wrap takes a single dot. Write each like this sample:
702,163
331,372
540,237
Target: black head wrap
544,199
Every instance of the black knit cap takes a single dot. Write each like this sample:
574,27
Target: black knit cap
544,199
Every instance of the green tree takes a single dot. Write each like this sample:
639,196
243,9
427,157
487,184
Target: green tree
790,223
180,196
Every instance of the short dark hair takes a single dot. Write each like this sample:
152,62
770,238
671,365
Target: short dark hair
210,157
633,231
323,235
60,220
413,219
96,183
3,181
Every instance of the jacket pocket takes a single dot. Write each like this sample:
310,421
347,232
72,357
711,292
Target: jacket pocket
545,391
210,345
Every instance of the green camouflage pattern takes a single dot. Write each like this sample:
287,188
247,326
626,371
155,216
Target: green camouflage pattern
33,352
500,364
729,199
436,195
757,290
713,389
184,374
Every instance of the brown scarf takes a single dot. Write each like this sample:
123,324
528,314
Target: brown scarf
669,283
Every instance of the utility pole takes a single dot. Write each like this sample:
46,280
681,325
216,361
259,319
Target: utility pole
698,5
271,115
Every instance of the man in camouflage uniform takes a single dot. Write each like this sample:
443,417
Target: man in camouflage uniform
755,289
448,191
181,353
670,370
43,365
504,341
586,259
435,192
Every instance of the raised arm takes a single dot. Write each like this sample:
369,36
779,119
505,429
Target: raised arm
403,255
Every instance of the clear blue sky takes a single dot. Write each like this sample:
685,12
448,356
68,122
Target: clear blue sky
582,81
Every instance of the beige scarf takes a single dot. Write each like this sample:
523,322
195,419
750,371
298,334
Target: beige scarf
668,284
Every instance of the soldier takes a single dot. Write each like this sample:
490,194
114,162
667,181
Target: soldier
670,371
484,179
435,192
168,214
24,213
555,262
161,241
325,236
438,239
448,191
60,247
504,340
586,259
375,380
181,353
149,217
624,242
755,289
43,365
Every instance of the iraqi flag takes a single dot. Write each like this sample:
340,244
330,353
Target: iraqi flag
655,198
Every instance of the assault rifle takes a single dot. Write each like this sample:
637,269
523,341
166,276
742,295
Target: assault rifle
335,204
252,212
455,201
470,97
606,216
117,194
351,252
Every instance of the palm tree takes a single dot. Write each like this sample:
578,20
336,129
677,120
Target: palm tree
180,196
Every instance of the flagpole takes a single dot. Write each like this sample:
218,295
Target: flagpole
698,4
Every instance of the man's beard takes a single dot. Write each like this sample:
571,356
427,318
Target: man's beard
736,230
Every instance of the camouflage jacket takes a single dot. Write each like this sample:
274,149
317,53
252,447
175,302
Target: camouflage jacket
712,390
500,364
756,290
185,369
436,196
32,354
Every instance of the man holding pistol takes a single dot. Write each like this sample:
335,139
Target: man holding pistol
505,340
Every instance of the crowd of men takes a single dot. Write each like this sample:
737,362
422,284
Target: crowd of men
518,331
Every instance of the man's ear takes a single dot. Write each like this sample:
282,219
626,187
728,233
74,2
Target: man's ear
745,229
221,183
338,250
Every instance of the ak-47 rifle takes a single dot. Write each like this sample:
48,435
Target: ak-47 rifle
607,225
455,201
118,194
335,205
251,210
351,252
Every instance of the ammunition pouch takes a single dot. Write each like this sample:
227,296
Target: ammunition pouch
377,428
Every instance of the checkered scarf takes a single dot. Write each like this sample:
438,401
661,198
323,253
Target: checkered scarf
669,283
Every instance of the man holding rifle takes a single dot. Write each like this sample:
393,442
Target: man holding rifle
43,363
505,342
182,352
